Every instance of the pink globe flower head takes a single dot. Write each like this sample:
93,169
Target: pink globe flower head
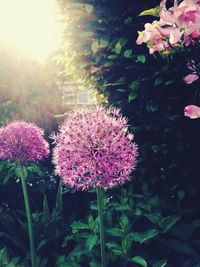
22,142
192,111
94,149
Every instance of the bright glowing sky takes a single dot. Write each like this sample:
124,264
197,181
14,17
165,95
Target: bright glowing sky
30,26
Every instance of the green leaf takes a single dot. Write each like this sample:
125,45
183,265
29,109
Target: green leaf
123,208
158,81
141,59
139,260
126,243
117,252
18,172
145,236
41,244
2,165
91,222
168,222
87,34
76,226
6,178
95,264
117,232
103,43
151,12
134,85
118,48
89,8
34,169
66,241
154,218
149,234
91,241
112,245
128,53
112,57
138,212
46,214
121,90
59,201
169,82
151,107
132,96
181,194
161,263
95,46
155,148
93,206
124,221
79,251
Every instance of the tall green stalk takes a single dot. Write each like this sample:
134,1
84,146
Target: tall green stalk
28,215
100,204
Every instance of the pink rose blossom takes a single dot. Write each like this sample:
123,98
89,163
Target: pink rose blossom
22,142
94,149
190,78
192,111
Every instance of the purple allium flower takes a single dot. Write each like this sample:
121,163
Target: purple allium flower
22,142
94,149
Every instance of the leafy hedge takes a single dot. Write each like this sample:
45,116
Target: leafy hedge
160,206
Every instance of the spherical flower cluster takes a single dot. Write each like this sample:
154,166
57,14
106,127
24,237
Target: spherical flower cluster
94,149
178,26
22,142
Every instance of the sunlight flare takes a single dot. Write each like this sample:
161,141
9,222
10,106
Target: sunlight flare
30,26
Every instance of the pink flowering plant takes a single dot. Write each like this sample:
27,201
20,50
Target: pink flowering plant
177,27
177,30
94,150
22,143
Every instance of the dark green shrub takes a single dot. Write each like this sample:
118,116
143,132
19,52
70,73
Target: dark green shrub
99,46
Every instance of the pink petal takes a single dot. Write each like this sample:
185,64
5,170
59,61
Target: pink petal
192,111
190,78
195,34
174,35
163,3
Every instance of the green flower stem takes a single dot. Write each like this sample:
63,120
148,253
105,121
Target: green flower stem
28,215
100,204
